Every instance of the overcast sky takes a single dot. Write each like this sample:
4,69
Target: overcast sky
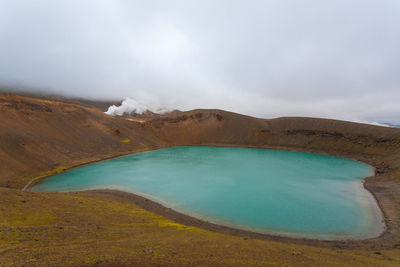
267,58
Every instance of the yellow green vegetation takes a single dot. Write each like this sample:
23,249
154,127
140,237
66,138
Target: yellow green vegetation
97,228
54,171
126,140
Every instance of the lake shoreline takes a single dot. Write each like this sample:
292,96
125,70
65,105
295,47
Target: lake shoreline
186,219
191,221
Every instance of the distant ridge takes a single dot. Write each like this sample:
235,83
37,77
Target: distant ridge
100,104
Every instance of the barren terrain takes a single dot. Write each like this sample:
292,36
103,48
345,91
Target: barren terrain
40,137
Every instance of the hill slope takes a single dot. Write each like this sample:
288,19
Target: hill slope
40,137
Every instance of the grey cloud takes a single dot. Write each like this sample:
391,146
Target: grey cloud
336,59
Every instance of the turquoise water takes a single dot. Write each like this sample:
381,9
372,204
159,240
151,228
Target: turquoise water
268,191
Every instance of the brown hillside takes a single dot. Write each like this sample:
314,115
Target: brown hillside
40,137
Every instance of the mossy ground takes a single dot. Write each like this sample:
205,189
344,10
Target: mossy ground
49,229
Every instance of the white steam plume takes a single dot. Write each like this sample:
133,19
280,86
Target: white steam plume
131,106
